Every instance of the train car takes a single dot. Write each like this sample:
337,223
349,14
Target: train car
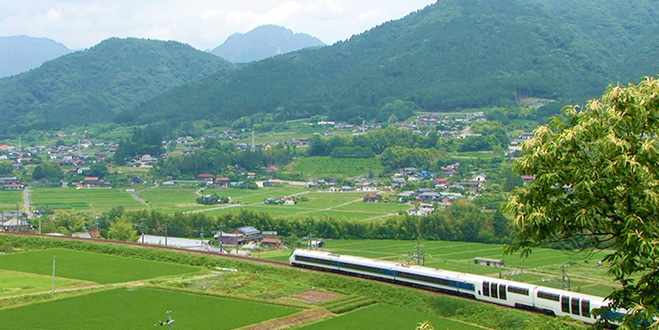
503,292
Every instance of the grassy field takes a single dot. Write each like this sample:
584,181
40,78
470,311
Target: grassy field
311,203
382,316
83,199
329,167
99,268
13,283
9,198
140,309
543,267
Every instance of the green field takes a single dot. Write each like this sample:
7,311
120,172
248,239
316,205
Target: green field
140,309
94,267
329,167
13,283
382,316
98,199
543,267
9,198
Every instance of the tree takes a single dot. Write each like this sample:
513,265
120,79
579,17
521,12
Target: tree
122,230
6,168
597,185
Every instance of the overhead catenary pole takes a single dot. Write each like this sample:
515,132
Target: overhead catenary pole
52,290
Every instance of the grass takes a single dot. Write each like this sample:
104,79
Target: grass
140,309
382,316
329,167
83,199
9,198
13,283
94,267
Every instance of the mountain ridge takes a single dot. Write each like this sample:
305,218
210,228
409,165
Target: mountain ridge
263,42
22,53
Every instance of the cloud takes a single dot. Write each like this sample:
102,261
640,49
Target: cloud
201,23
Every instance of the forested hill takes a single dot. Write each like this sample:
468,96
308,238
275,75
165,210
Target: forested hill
97,84
450,55
453,54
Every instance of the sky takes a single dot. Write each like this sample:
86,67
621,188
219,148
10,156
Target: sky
203,24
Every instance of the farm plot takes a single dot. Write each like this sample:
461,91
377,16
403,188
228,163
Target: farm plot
313,204
382,316
330,167
140,309
14,284
171,199
83,199
543,267
9,199
94,267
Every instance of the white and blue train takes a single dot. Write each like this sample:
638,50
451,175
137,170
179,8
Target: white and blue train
503,292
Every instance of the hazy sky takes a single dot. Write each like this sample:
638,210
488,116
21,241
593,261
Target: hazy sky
203,24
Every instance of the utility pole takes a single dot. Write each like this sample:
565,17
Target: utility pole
52,290
165,227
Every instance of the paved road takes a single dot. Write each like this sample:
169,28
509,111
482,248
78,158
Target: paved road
26,202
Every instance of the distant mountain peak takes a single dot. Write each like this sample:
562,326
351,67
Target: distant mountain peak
23,53
263,42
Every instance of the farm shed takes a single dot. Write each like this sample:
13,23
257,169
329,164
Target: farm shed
489,262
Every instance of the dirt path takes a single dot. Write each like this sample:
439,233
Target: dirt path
294,320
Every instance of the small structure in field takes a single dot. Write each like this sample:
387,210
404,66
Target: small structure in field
489,262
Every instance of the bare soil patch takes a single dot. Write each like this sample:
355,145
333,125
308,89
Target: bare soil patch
294,320
313,297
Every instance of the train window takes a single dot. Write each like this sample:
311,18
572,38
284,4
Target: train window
565,304
502,291
549,296
314,260
518,290
585,308
493,290
575,306
486,289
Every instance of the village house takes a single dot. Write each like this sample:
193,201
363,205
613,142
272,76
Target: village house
222,181
272,242
91,181
371,198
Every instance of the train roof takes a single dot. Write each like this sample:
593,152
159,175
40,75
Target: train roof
436,271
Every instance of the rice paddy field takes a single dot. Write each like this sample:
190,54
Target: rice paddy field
87,266
15,283
311,203
330,167
9,199
142,308
543,267
382,316
98,199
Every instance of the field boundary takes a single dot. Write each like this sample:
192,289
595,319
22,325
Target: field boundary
290,321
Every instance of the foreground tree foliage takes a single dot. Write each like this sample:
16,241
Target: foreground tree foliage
597,184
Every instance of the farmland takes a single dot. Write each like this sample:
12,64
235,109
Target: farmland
9,199
323,167
344,205
225,300
82,199
14,283
385,317
99,268
139,309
